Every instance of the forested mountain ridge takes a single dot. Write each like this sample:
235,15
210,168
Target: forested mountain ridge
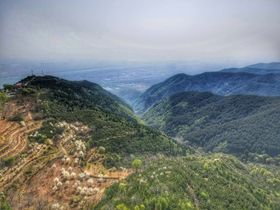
221,83
259,68
76,146
235,124
83,93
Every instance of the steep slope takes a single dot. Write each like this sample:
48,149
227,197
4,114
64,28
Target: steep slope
210,182
112,121
79,94
87,143
233,124
260,68
69,141
221,83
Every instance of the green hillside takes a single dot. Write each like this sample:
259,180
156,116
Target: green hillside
206,182
220,83
112,121
138,167
242,125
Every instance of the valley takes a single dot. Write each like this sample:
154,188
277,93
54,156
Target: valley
139,105
81,147
39,165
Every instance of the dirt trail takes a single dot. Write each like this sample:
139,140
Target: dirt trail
196,201
20,143
33,168
15,138
9,127
4,125
18,170
14,171
14,135
65,140
10,138
9,110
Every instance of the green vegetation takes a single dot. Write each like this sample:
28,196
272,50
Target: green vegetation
221,83
136,164
18,117
8,87
3,99
78,95
164,177
244,125
4,205
48,131
27,91
7,162
196,182
113,125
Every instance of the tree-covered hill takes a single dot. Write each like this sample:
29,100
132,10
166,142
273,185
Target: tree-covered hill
232,124
79,94
221,83
194,182
112,121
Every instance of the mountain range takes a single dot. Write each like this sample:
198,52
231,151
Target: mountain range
221,83
73,145
259,68
235,124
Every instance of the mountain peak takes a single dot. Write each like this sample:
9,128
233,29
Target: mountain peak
259,68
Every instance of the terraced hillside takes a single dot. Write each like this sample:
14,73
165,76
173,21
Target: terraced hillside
70,141
14,134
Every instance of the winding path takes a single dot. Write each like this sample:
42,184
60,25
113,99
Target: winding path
15,138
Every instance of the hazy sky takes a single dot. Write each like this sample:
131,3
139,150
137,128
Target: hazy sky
244,31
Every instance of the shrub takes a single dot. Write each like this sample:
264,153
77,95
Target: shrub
17,117
27,91
8,87
3,97
136,164
101,150
10,161
4,205
121,207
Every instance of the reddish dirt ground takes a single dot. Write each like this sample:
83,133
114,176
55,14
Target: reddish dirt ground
86,186
14,134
